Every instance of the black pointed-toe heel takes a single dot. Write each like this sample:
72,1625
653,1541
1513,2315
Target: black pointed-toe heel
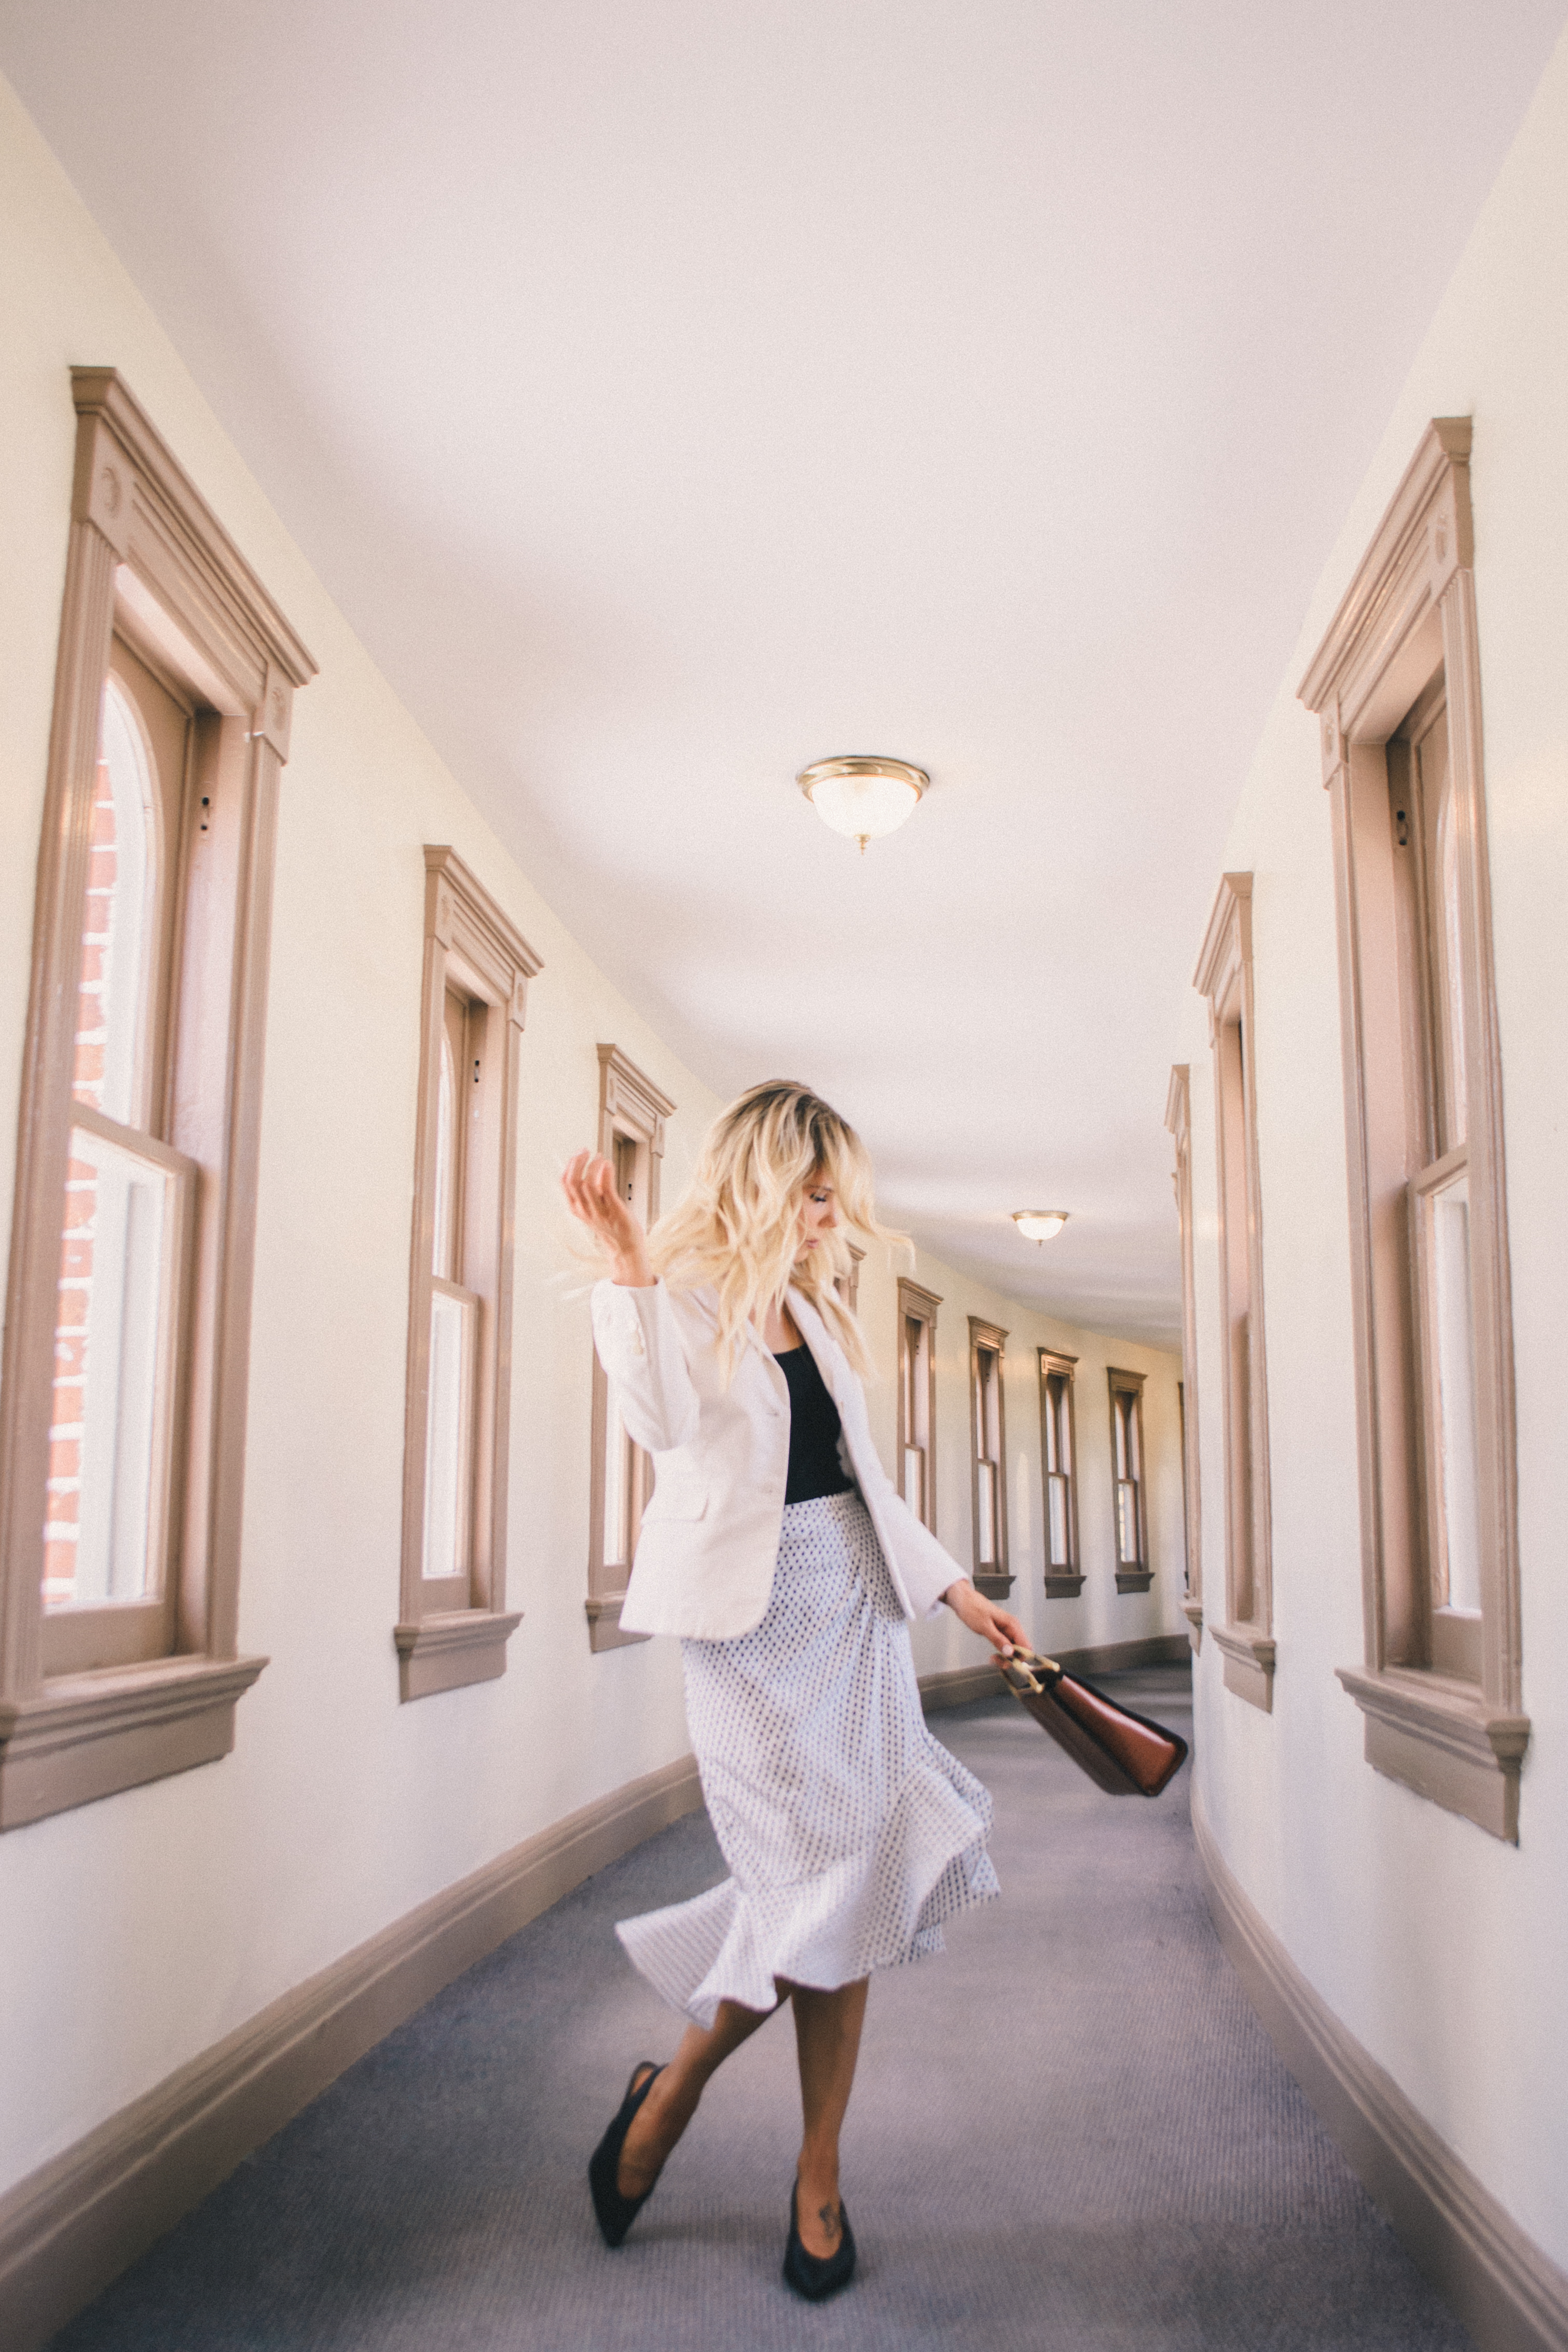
617,2213
817,2275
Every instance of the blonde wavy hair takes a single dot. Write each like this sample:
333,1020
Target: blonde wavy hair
739,1231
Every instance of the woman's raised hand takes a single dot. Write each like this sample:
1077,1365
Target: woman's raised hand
589,1184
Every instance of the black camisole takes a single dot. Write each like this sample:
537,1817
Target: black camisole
813,1425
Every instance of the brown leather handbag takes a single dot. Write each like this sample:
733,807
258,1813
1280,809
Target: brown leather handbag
1123,1753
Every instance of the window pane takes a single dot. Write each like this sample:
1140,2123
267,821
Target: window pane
1455,1378
1057,1423
1056,1527
448,1481
624,1147
987,1476
618,1490
446,1161
990,1403
1127,1522
1453,1013
915,1480
98,1539
111,999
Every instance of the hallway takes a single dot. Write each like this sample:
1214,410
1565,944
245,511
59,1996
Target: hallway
1073,2132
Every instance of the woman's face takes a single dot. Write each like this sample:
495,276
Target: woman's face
819,1214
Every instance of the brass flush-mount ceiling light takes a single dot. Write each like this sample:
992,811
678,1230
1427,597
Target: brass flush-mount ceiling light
1039,1225
864,798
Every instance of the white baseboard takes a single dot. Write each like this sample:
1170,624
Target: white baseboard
73,2225
1510,2295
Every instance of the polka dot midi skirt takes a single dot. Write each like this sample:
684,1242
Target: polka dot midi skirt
850,1833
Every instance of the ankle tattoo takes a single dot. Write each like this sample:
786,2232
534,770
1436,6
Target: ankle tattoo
829,2217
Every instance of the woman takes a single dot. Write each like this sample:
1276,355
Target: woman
775,1546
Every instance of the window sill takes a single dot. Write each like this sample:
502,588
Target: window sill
604,1623
1248,1664
1193,1611
1439,1737
89,1736
1134,1580
995,1588
456,1646
1063,1587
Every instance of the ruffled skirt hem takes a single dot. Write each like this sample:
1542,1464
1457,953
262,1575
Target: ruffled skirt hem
878,1909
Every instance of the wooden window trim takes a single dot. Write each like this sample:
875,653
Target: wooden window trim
997,1583
917,1305
1224,976
444,1639
1059,1585
1141,1575
847,1285
147,557
1410,609
630,1104
1178,1121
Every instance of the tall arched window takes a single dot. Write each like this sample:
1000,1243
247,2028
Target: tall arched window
124,1344
454,1312
454,1624
110,1531
1396,687
632,1115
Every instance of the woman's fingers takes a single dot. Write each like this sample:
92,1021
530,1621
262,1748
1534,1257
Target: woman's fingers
588,1182
615,1218
1006,1634
573,1186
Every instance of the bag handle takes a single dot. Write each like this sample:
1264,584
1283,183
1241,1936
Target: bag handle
1027,1673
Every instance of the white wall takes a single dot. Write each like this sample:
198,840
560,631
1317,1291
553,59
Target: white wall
142,1929
139,1930
1439,1946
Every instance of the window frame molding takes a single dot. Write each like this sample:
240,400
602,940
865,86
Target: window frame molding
1225,978
1119,1383
1179,1122
472,948
630,1104
1409,610
146,556
847,1285
995,1583
917,1305
1051,1362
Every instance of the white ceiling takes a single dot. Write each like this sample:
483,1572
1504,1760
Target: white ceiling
673,393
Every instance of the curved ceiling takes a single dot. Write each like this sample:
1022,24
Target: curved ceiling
672,395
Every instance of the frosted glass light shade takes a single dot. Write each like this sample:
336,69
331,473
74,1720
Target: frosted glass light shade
863,798
1039,1225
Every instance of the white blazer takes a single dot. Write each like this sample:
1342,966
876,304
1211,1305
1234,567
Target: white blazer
710,1537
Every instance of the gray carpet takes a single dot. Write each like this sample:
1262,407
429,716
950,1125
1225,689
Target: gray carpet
1071,2132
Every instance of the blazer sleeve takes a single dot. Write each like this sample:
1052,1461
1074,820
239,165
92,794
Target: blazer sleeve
926,1569
638,1340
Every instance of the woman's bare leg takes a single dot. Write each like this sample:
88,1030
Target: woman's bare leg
827,2043
673,2102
